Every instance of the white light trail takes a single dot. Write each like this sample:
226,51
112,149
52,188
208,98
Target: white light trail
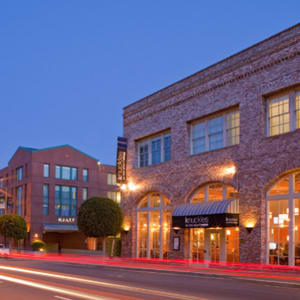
104,284
64,291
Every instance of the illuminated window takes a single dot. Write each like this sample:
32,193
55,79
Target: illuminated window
215,133
233,128
111,179
116,196
283,113
154,222
84,194
214,192
279,116
298,109
283,221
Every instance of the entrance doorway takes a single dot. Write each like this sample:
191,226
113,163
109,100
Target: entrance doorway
214,246
197,244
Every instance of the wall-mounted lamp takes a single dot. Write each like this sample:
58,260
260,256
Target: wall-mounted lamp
176,229
126,229
130,186
249,227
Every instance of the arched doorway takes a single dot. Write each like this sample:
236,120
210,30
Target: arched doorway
153,226
215,243
283,221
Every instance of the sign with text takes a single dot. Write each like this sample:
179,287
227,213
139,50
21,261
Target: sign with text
66,220
206,221
121,160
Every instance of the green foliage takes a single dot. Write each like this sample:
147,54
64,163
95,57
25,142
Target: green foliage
109,242
117,247
37,245
100,217
13,226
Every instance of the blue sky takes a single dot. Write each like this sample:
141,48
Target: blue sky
68,67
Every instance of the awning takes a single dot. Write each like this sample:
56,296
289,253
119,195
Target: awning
60,227
206,214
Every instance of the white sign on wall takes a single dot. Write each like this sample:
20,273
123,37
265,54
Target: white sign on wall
66,220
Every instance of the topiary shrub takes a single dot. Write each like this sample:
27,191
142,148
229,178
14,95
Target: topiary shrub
37,245
13,226
99,217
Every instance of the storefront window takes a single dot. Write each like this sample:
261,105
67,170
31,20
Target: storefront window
297,232
284,221
278,232
154,222
232,244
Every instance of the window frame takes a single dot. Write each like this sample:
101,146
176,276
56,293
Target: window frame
291,96
205,121
70,203
148,141
48,172
71,169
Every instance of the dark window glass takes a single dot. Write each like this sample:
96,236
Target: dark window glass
46,199
167,147
65,201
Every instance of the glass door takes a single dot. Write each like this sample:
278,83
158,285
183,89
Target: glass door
197,244
214,246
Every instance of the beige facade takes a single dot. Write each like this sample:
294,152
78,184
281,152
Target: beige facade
234,132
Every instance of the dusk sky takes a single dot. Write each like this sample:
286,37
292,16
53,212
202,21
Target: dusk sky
67,68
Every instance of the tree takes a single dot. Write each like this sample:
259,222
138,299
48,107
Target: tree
13,226
100,217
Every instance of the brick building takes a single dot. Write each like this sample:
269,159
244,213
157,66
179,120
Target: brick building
47,186
214,161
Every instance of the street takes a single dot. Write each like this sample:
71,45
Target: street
36,279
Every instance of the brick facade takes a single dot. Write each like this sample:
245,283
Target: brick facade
32,161
244,80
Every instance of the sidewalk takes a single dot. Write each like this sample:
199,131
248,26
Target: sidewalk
266,273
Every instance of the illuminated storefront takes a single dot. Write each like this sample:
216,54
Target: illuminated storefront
154,221
283,203
211,223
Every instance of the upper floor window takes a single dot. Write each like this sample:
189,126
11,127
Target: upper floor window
45,199
19,200
116,196
46,170
84,194
1,183
111,179
283,113
65,201
215,133
63,172
85,175
19,174
154,150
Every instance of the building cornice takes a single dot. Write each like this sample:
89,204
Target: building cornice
210,74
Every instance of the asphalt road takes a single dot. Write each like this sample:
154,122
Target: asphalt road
35,279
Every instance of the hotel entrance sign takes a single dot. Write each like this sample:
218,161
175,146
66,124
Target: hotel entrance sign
66,220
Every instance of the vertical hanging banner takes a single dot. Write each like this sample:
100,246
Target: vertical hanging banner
121,160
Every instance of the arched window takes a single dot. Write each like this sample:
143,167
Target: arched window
215,243
154,221
283,221
214,192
